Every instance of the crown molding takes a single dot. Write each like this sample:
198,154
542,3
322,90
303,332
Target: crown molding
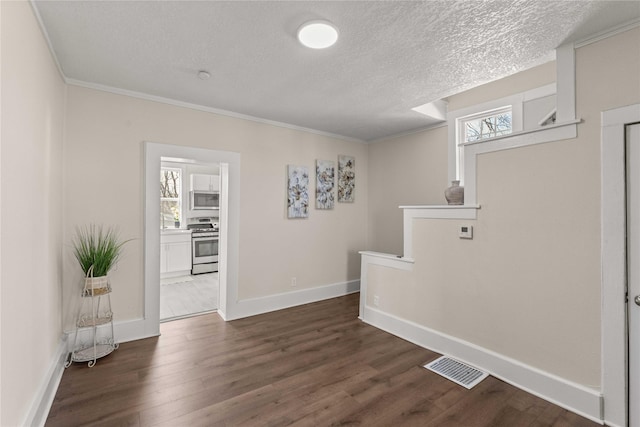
607,33
204,108
45,34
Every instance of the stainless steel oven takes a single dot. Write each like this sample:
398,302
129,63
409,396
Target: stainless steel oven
204,253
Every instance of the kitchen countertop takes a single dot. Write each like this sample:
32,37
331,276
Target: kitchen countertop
175,231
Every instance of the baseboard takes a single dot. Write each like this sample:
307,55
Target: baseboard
255,306
131,330
42,402
573,397
136,329
222,314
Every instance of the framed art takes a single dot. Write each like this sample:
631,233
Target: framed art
346,178
325,183
298,191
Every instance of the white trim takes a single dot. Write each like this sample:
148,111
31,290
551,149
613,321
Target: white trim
223,276
389,260
608,33
407,133
551,133
565,89
123,331
255,306
129,330
230,306
45,34
229,217
549,115
436,211
566,83
516,101
613,256
43,400
432,212
378,258
574,397
206,109
462,121
529,95
489,106
453,117
540,92
513,141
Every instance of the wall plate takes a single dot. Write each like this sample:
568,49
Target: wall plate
465,232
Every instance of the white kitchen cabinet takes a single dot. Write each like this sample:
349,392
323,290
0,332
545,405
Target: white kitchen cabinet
175,253
204,182
178,256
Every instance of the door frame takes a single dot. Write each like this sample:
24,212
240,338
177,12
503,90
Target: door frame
229,222
614,261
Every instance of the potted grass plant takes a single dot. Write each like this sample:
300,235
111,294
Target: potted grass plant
97,249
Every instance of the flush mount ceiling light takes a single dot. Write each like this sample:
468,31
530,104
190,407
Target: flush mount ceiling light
203,75
318,34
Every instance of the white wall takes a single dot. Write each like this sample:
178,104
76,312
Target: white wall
527,287
31,211
103,180
410,170
406,170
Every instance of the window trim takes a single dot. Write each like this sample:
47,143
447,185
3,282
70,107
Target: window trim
456,148
461,134
462,121
179,189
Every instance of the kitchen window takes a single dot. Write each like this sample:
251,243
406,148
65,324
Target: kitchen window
170,197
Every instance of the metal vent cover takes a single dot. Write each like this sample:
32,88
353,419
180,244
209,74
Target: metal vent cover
458,372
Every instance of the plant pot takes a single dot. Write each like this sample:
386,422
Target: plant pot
455,194
96,285
177,224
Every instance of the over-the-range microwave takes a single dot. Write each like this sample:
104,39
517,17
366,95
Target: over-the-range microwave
205,200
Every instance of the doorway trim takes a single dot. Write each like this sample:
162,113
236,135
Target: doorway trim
229,219
614,259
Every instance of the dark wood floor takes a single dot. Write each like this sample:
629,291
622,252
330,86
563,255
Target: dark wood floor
313,365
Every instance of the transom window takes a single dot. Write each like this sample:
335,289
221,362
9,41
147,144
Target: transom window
478,127
486,125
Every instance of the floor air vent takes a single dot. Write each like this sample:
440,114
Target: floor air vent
458,372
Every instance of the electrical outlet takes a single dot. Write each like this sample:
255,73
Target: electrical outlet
294,282
376,300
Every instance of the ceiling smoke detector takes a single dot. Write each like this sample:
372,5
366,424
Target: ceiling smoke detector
318,34
203,75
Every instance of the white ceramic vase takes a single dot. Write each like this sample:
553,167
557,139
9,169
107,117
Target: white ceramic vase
454,194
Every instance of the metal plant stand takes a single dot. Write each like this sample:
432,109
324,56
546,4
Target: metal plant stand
94,322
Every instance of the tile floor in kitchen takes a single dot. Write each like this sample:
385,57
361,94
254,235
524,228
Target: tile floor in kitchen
188,295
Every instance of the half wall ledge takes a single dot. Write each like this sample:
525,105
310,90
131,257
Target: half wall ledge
468,212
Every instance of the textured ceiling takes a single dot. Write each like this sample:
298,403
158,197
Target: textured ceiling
391,55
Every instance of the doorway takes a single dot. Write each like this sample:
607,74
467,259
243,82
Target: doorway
189,236
618,371
228,222
632,137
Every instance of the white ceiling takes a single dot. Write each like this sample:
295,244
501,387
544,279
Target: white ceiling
391,55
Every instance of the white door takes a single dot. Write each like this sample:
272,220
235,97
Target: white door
633,267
